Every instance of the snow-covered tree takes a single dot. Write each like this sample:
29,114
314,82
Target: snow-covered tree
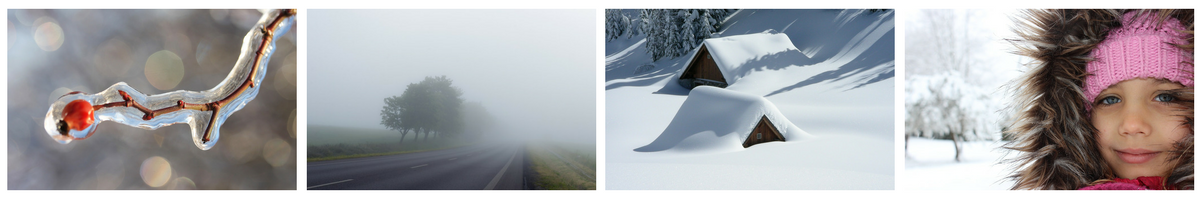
661,33
670,27
947,94
687,32
653,33
615,24
706,26
718,14
644,23
673,33
944,106
631,28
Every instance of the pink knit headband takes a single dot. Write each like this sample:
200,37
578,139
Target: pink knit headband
1141,48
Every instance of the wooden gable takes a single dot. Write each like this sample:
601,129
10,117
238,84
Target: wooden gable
764,131
702,70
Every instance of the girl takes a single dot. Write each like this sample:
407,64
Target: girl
1108,102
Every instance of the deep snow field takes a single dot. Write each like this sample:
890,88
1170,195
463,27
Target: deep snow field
837,86
929,165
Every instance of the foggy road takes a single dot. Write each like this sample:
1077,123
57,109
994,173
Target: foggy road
477,167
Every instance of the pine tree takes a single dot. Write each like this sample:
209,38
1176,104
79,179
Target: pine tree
673,33
612,24
662,34
706,26
671,27
630,25
687,35
650,28
644,24
720,14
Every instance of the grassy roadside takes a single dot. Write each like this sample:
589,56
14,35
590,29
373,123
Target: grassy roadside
339,157
334,143
576,170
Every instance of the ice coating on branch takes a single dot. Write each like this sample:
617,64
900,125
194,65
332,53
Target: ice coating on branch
199,120
204,111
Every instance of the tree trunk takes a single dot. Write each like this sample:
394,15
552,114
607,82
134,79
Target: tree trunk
403,134
957,147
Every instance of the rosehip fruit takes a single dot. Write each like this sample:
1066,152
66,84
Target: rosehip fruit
78,115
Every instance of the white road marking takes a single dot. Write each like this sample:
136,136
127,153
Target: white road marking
498,175
453,158
414,167
335,182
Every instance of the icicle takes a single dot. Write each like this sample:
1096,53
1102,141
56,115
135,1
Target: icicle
75,115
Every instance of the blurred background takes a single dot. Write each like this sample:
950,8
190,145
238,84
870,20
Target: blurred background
53,52
957,63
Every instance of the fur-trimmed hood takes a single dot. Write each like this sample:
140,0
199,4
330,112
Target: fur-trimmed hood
1054,138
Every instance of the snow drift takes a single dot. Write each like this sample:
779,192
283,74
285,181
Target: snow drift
715,119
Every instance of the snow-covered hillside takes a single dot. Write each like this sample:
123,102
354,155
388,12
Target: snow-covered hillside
836,85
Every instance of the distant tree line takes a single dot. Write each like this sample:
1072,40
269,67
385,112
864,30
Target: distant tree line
669,32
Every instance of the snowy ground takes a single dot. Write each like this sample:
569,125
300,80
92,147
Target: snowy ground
839,88
929,165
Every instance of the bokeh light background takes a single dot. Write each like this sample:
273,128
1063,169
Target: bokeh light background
53,52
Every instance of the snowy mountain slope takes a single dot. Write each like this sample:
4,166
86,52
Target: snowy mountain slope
837,86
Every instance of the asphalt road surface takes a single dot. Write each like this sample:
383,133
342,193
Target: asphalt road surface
477,167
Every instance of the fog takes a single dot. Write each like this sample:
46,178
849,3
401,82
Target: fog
533,70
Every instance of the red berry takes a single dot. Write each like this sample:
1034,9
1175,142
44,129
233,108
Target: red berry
78,114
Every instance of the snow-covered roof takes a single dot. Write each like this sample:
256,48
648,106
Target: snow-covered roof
732,52
719,119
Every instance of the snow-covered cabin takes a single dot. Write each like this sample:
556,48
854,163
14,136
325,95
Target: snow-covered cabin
718,119
764,131
718,61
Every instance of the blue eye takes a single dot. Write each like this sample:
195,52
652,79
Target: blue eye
1164,98
1110,100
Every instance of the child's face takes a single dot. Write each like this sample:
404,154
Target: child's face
1139,123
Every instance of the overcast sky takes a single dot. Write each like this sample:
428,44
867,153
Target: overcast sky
532,69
